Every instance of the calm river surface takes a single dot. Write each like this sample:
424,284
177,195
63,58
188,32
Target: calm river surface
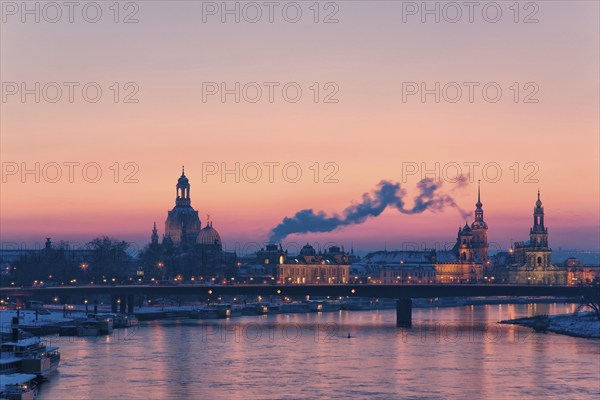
457,352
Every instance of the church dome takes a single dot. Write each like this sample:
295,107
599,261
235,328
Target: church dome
180,218
308,250
209,236
479,225
183,180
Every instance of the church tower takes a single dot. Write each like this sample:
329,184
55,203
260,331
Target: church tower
538,235
540,253
465,245
183,220
154,237
479,230
533,265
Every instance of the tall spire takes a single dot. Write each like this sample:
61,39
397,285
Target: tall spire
539,232
479,204
154,237
183,170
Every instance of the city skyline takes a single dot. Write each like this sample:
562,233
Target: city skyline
344,235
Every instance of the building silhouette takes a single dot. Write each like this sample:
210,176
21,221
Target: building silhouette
183,224
187,250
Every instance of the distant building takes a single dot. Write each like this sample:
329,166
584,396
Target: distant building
532,259
271,256
449,268
310,267
11,253
501,262
391,267
579,274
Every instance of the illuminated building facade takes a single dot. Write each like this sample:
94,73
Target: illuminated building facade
310,267
532,260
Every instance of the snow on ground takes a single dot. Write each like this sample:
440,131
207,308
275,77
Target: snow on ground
151,309
582,324
27,317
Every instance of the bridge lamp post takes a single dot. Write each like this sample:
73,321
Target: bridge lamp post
161,267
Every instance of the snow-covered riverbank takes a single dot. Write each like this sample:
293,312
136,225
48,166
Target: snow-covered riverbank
580,325
28,318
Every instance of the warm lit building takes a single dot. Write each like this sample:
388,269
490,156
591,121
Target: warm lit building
411,273
312,274
310,267
449,269
532,259
579,274
468,261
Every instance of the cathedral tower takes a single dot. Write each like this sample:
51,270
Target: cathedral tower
479,230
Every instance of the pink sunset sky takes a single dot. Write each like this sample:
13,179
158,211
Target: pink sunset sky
368,135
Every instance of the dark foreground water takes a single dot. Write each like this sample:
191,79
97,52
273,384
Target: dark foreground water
449,353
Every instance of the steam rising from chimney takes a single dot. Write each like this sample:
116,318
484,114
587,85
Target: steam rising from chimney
387,194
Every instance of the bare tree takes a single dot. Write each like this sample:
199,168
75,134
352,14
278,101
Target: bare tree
591,301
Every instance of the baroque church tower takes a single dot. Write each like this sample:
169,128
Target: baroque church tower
540,253
479,230
532,260
183,223
472,244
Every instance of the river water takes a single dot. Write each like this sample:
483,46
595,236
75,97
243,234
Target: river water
457,352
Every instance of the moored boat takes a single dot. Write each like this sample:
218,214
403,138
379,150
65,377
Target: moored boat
18,386
295,307
228,311
255,309
125,320
9,364
358,304
36,357
323,306
204,313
